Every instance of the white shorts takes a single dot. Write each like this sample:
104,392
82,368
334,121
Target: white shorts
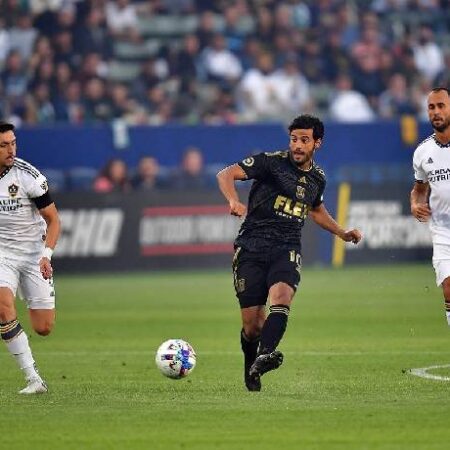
441,262
27,278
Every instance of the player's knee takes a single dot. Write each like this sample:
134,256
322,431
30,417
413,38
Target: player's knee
446,289
252,329
43,329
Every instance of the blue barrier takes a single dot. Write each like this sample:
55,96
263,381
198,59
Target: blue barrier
64,146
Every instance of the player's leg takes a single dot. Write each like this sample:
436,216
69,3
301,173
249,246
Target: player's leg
13,335
283,279
39,295
441,264
252,322
249,282
446,292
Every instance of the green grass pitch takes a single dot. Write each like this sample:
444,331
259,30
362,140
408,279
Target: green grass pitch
351,334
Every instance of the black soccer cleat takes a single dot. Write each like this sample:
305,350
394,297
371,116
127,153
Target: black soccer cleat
265,363
253,382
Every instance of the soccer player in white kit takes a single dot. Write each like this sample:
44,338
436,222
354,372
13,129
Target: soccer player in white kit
430,197
29,230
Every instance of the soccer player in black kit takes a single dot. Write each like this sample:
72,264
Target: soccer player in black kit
288,186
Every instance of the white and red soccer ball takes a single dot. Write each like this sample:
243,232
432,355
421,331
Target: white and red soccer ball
175,358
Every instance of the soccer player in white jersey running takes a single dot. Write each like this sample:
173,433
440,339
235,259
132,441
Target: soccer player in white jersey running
430,197
29,230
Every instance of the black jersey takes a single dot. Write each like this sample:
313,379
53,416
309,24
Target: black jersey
279,201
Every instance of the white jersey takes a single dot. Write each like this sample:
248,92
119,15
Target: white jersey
432,164
22,228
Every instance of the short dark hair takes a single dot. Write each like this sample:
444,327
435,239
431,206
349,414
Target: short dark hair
5,126
441,88
305,122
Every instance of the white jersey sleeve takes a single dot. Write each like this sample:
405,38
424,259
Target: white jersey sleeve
419,172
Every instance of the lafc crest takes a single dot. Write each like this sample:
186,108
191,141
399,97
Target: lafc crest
13,189
300,194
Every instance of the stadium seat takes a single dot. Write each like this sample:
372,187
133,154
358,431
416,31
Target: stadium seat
81,178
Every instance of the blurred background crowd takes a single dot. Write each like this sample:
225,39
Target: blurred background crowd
219,62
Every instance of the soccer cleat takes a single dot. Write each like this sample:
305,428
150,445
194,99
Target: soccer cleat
253,382
34,386
265,363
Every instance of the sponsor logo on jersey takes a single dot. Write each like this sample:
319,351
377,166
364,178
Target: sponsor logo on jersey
439,175
13,189
302,180
289,208
430,161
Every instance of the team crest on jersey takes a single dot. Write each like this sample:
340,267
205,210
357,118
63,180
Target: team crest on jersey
248,162
300,192
13,189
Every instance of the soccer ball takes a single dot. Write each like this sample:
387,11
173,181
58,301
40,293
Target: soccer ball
175,358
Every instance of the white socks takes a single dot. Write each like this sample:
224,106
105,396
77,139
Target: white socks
20,349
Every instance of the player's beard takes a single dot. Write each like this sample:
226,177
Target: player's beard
441,128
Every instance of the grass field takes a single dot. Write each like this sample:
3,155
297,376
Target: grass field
351,334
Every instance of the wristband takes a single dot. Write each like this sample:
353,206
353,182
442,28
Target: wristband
47,253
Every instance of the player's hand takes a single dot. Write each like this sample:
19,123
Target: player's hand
352,236
421,211
46,268
237,208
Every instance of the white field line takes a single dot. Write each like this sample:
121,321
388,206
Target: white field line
125,352
422,372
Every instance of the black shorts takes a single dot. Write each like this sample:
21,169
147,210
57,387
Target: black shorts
254,273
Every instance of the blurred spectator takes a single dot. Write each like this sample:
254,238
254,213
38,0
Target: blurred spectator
113,178
14,77
428,56
349,105
291,89
256,95
148,174
191,174
23,36
218,63
396,100
92,36
122,20
97,105
4,42
69,105
40,109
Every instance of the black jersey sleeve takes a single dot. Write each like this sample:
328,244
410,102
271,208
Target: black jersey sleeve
319,197
256,166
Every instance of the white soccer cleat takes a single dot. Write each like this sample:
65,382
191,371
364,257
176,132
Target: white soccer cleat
34,386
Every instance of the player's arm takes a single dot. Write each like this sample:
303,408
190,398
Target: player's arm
226,179
419,201
322,217
51,217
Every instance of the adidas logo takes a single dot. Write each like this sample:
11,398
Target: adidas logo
430,161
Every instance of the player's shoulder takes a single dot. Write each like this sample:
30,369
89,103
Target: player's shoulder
319,172
25,167
426,144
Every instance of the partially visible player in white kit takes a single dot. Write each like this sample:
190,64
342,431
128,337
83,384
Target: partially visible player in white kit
29,230
430,197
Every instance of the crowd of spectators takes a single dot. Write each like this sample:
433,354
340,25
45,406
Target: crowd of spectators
219,62
191,174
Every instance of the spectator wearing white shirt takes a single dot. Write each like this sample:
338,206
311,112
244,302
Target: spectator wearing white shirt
122,20
348,105
428,57
219,63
